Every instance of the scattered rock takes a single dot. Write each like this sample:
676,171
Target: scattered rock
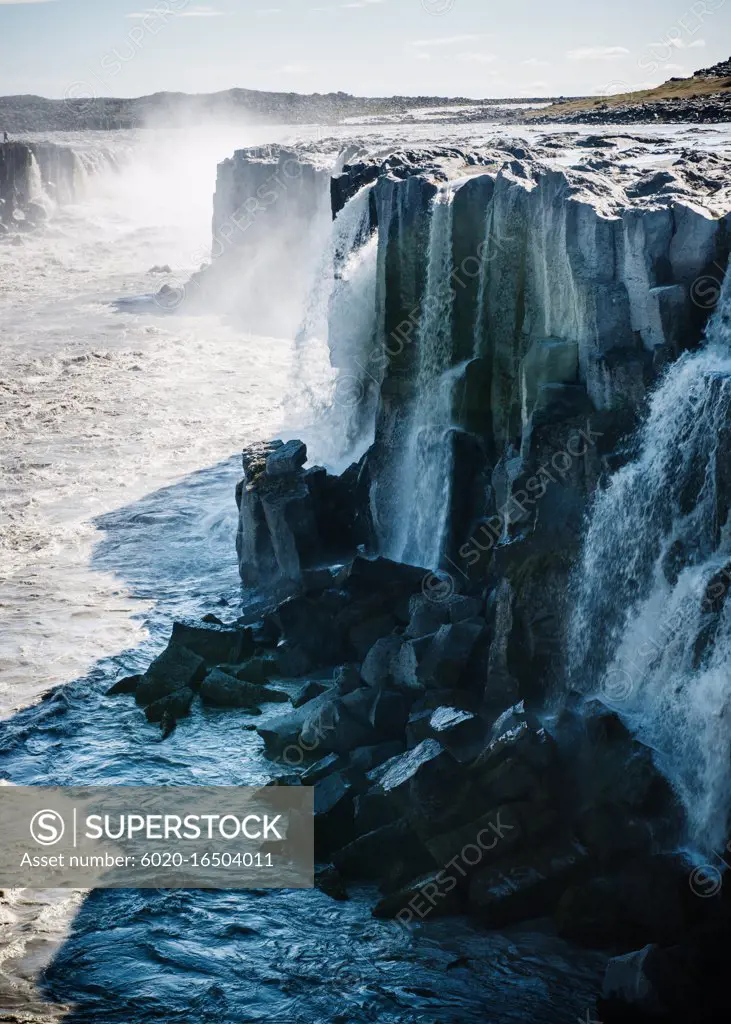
321,769
127,685
435,894
308,692
333,812
527,889
221,689
176,705
329,881
175,669
216,645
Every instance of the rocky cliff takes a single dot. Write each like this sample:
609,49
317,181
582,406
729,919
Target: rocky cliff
522,313
482,715
32,175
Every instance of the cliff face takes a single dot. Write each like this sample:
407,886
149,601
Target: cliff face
270,219
15,179
524,308
32,174
522,711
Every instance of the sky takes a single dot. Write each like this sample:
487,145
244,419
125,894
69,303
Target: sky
475,48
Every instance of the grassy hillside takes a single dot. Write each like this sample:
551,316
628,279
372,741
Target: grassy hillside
675,89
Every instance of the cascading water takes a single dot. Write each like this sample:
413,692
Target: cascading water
338,332
480,335
651,634
425,479
37,192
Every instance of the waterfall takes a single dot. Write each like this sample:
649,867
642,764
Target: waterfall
338,333
479,336
651,633
425,478
36,191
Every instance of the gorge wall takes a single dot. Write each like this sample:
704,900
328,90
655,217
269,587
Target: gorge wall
502,632
35,175
521,314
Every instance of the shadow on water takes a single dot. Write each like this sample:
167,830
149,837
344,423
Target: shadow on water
298,957
134,956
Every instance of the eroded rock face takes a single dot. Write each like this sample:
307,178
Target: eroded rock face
292,519
441,769
25,168
270,217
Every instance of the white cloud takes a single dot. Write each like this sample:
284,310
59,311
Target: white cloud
200,12
449,40
534,62
476,58
292,69
189,12
678,44
597,53
363,3
277,10
673,67
17,3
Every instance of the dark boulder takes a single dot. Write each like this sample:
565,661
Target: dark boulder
376,669
292,661
363,635
216,645
373,810
283,735
330,881
177,667
255,670
309,627
176,705
425,784
377,856
333,813
307,692
127,685
292,520
529,888
381,574
321,769
287,459
456,729
494,836
365,759
226,691
406,660
426,616
435,894
449,653
277,536
347,678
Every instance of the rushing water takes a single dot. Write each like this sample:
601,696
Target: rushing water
426,468
338,332
102,405
118,471
652,630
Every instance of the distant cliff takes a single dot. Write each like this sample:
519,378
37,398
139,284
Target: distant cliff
36,175
35,113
